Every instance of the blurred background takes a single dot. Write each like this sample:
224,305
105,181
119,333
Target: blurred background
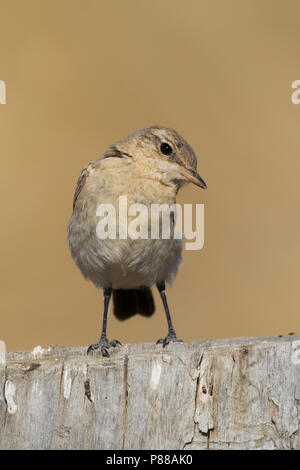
81,74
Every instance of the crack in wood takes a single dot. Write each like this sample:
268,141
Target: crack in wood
126,392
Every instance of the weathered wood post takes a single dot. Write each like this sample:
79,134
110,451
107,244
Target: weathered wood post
220,394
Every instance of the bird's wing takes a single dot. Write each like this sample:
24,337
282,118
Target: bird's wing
81,180
113,151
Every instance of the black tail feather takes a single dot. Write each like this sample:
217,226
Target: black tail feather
132,301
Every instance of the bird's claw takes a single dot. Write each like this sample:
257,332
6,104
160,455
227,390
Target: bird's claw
168,339
115,343
104,345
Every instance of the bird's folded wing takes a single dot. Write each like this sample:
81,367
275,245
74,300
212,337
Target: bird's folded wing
81,181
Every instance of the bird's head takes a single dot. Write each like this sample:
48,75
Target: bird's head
162,152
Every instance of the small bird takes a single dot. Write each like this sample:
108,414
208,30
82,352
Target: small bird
148,167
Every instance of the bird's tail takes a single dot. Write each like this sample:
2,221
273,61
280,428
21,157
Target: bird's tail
129,302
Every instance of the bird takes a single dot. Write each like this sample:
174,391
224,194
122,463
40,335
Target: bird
149,167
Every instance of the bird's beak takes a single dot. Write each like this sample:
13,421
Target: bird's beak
193,177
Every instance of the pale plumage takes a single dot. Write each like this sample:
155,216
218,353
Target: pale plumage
121,264
148,167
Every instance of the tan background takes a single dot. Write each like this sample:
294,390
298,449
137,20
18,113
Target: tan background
81,74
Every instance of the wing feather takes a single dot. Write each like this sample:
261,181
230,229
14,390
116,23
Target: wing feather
113,151
81,181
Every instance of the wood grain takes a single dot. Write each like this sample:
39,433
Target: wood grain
239,393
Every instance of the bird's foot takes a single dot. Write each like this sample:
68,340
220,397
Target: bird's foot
104,345
168,339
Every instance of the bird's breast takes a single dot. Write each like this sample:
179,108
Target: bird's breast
111,233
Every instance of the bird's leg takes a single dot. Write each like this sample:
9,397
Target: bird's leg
104,344
161,286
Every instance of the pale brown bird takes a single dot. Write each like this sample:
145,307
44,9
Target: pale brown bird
148,167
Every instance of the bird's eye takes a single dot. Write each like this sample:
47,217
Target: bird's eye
166,149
